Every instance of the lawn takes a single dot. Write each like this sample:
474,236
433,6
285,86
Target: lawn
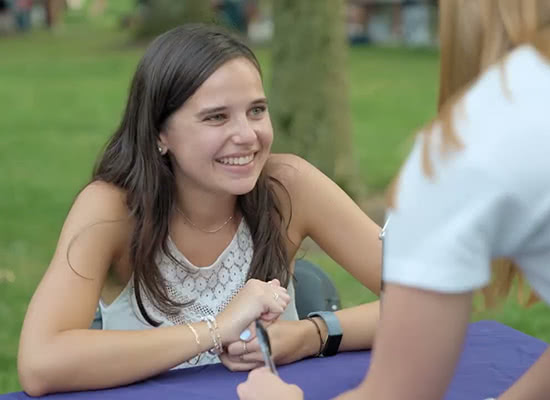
61,96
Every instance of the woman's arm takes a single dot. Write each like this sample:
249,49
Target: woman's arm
324,212
84,359
418,344
321,210
534,384
58,352
294,340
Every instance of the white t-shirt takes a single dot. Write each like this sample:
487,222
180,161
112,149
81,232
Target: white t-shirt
489,199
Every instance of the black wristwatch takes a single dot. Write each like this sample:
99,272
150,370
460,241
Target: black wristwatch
334,332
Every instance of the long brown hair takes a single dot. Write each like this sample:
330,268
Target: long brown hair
174,66
475,35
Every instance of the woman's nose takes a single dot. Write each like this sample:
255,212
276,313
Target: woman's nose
244,132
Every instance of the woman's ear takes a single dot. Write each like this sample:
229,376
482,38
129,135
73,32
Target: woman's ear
162,144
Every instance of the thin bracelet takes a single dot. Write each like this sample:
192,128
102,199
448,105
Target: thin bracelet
196,340
214,334
322,345
218,335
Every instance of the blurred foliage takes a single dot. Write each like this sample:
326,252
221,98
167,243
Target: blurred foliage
158,16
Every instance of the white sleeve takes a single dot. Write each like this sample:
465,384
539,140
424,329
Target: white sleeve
443,230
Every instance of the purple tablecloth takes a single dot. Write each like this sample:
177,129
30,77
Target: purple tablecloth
494,357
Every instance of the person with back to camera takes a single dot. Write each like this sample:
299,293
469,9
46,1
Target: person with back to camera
474,192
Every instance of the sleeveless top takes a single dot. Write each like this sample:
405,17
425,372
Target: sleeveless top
209,289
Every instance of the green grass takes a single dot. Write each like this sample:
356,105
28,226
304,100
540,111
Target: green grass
393,93
62,95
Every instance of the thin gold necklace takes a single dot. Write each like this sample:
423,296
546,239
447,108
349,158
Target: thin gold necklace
201,229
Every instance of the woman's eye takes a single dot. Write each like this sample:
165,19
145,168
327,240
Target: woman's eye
258,110
215,118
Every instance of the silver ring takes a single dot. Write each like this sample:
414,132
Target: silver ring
276,296
245,349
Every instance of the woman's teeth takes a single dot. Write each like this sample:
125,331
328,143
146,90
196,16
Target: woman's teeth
237,160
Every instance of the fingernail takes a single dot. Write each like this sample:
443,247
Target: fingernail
245,335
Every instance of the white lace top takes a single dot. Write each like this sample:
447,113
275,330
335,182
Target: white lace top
210,288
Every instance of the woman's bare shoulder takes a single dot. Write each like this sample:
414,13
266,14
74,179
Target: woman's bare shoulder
289,169
100,209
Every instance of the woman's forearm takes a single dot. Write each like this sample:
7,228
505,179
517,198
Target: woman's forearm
93,359
358,326
534,384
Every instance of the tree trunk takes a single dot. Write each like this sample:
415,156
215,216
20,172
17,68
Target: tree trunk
309,89
198,11
54,12
159,16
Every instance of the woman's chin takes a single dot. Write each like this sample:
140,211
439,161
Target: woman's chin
244,189
242,186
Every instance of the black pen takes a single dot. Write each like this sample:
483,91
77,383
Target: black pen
265,346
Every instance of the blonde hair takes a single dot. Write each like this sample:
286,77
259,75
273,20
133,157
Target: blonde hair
474,35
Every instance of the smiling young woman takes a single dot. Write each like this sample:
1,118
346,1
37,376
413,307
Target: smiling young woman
190,226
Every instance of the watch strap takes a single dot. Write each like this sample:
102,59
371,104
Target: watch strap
334,329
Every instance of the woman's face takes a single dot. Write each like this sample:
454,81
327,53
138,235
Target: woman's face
220,139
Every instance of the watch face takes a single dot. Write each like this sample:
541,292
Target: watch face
265,346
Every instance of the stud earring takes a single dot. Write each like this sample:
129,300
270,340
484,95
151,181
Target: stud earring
160,149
